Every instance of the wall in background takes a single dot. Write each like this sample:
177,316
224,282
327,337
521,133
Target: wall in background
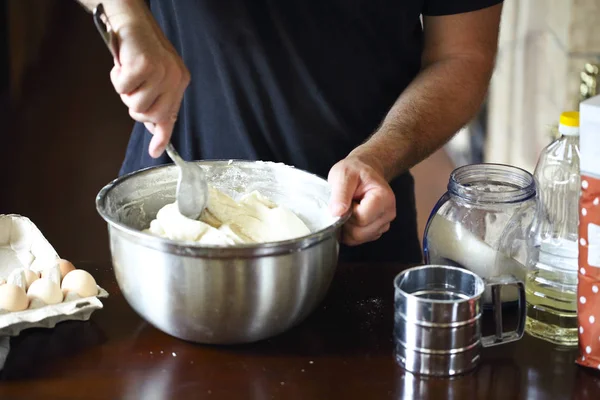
543,48
28,23
4,63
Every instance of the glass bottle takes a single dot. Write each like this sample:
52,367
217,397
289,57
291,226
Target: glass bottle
551,282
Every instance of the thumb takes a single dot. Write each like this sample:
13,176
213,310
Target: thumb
115,73
161,136
343,186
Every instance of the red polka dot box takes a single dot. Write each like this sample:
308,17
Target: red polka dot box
588,288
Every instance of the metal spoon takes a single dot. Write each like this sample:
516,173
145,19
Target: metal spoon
192,189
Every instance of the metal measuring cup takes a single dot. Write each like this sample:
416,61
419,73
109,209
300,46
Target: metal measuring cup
437,319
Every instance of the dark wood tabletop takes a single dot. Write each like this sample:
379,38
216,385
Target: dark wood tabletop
77,127
344,350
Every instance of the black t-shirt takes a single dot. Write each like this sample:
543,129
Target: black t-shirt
301,82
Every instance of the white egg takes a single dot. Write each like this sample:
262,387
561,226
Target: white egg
80,282
30,276
13,298
45,290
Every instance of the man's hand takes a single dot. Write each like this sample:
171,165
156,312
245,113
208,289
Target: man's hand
151,79
359,185
148,74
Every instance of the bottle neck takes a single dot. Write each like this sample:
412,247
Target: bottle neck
570,138
568,130
492,184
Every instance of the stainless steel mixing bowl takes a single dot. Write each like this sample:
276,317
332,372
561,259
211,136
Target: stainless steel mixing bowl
221,295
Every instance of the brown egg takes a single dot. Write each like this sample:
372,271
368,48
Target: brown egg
13,298
81,282
65,267
30,277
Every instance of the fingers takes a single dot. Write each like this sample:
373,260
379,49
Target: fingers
354,235
370,217
374,205
159,111
161,135
141,100
344,183
133,73
357,185
157,106
165,112
150,126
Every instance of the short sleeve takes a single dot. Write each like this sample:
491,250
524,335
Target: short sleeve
449,7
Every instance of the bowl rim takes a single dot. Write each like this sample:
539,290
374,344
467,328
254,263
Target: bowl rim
190,248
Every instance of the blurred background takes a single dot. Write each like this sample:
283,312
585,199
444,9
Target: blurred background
64,130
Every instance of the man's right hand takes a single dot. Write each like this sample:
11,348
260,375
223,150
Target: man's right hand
149,75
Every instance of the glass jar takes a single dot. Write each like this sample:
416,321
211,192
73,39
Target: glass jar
485,204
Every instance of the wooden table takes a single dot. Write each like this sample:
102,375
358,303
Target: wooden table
343,351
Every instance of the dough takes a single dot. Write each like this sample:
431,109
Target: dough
254,219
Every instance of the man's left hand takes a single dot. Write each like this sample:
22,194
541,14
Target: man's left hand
359,185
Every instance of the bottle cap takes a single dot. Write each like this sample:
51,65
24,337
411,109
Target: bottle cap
569,123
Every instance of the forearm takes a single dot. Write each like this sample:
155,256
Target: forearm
437,104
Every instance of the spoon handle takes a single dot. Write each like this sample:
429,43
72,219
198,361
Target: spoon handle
106,31
175,155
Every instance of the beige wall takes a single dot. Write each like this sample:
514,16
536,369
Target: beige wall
543,47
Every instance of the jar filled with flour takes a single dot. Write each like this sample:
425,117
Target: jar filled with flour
482,223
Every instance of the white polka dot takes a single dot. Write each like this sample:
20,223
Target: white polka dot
582,271
582,358
595,289
582,241
582,300
581,329
588,349
583,212
585,184
592,319
598,366
596,201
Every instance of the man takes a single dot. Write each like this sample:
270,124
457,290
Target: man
356,90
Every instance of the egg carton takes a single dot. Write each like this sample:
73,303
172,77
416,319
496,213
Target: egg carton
22,245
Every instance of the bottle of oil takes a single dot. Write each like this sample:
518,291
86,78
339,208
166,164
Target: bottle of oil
551,282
